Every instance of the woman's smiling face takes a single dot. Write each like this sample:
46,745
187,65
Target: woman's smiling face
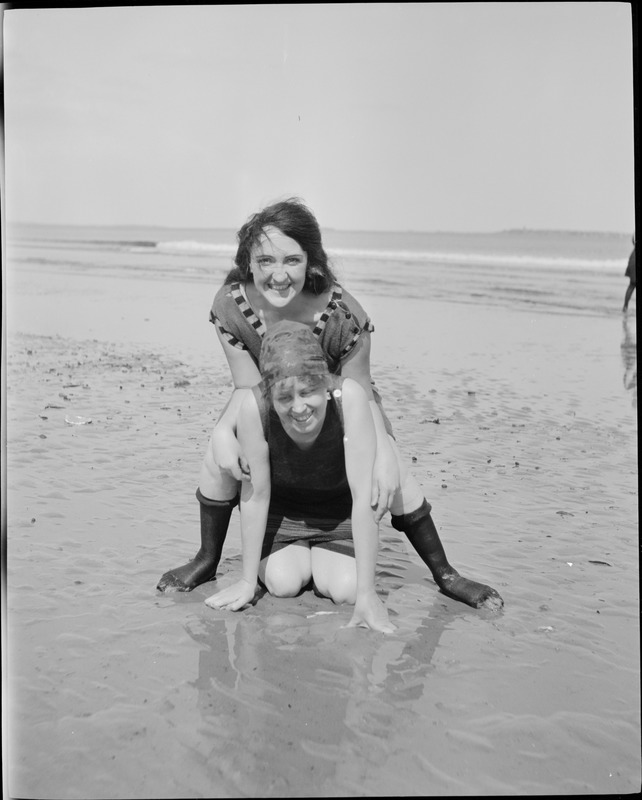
301,406
278,266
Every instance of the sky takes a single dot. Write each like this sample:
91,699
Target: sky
422,116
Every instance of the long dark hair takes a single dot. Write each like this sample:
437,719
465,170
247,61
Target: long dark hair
295,220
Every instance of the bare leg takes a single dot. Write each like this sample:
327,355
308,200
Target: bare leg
286,571
335,575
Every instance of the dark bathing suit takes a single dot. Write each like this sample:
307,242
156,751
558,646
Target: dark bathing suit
310,499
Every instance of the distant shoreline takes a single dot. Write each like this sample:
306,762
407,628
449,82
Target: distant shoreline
326,230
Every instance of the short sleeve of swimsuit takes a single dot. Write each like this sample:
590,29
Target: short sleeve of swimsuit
235,320
341,325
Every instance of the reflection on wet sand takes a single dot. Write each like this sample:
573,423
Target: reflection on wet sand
297,705
628,349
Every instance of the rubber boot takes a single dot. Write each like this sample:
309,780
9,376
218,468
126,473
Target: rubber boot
422,534
215,518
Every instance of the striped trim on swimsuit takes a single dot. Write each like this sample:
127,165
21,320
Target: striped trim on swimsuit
229,337
250,315
246,309
337,294
336,301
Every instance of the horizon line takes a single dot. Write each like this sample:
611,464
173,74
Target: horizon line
407,231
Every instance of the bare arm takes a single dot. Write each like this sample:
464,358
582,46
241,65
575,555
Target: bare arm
245,374
360,449
255,502
225,452
255,495
386,478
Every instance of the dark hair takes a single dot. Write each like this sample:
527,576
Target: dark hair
295,220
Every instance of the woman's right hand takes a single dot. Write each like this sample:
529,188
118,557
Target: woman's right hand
234,597
370,612
227,454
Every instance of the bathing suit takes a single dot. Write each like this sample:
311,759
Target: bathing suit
310,500
338,329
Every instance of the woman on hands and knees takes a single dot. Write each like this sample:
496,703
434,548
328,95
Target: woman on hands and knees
310,443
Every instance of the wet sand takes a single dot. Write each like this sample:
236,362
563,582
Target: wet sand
520,427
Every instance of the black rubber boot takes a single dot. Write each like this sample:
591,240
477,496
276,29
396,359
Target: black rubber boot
215,517
421,532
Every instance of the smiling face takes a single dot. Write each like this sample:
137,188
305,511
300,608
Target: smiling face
278,266
301,405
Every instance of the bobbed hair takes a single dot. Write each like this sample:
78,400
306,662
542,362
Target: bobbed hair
295,220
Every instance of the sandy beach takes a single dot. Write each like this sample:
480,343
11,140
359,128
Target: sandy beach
521,426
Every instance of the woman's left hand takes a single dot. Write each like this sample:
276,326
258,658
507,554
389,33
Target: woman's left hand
386,481
370,612
234,597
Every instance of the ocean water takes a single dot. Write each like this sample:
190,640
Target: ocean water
549,270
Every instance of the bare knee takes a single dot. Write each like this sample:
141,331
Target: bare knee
342,587
335,575
282,581
343,594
